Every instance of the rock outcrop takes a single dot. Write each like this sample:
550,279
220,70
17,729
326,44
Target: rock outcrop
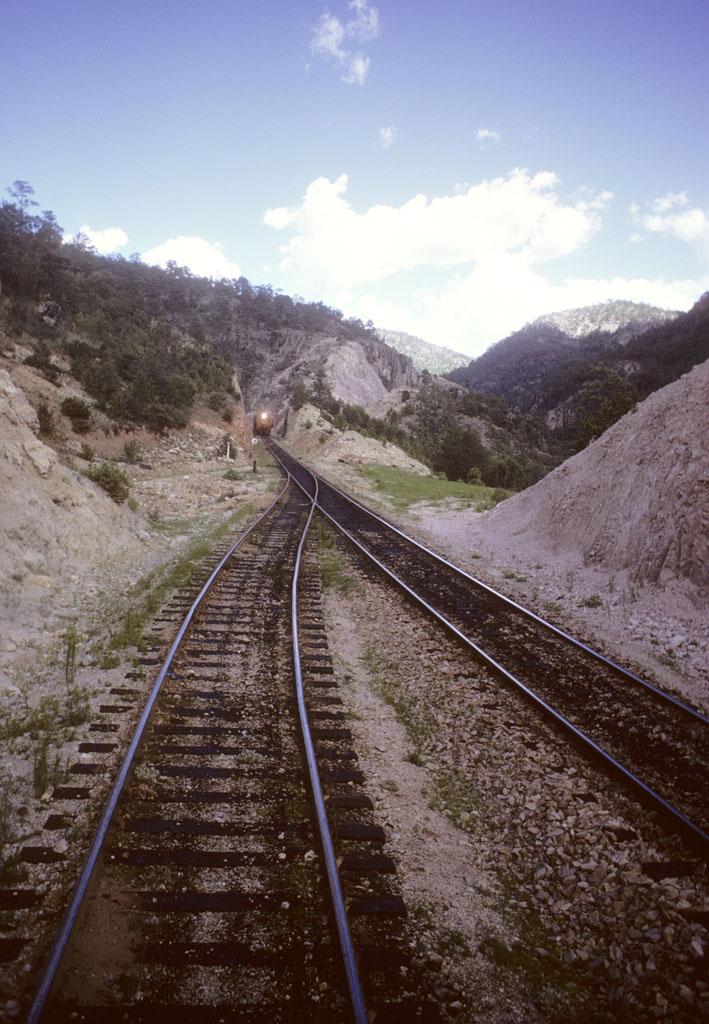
358,370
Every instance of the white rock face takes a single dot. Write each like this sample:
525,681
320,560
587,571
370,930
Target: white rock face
635,499
352,378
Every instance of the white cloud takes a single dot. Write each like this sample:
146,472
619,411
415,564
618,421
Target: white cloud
672,215
670,201
463,269
205,259
487,137
387,136
365,24
331,38
104,240
334,247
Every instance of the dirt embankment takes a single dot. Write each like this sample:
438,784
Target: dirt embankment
312,438
635,500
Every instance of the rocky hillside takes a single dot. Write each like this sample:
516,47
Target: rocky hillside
424,355
359,369
636,499
56,526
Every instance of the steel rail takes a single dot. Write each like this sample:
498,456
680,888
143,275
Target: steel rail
696,837
625,672
69,920
359,1011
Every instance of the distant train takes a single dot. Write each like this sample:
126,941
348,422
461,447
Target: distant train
263,421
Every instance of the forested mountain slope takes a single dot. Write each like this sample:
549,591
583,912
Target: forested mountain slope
147,342
582,383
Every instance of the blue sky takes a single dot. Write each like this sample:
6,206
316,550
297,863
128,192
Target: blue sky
558,151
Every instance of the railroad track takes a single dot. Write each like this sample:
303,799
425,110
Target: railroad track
657,745
237,873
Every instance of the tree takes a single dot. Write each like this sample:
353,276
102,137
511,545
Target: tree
298,395
21,193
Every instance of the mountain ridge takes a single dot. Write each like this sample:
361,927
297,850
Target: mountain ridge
424,354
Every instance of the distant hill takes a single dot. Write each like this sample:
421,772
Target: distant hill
582,382
424,355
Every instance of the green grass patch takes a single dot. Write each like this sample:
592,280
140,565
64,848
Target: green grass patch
404,489
333,569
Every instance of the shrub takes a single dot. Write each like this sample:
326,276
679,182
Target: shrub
41,360
87,452
131,451
233,474
227,414
46,420
113,480
79,413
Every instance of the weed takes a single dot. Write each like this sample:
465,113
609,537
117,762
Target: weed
71,641
569,581
87,452
233,474
413,757
41,767
5,812
333,574
593,601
